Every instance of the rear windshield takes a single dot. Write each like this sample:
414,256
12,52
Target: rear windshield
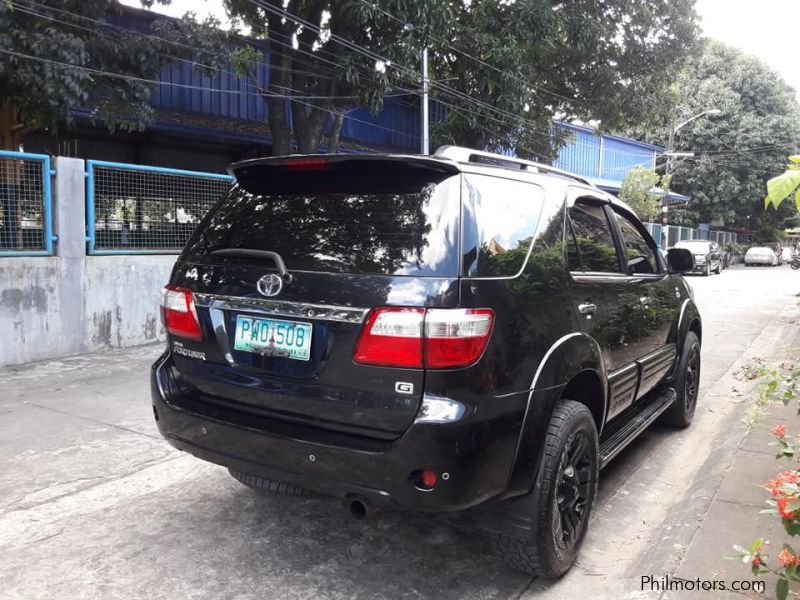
404,228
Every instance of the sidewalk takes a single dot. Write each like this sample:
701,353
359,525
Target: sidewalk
734,513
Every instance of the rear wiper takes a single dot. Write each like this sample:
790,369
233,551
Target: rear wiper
253,253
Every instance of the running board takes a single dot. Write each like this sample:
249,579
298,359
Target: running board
627,426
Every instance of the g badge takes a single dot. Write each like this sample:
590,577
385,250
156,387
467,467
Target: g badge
403,387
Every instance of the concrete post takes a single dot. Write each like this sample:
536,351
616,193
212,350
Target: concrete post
70,226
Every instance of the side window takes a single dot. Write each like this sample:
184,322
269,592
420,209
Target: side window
591,239
500,223
639,254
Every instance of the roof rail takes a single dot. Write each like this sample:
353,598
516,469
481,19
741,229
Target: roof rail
468,155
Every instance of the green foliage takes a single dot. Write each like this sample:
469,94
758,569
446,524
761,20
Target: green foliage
636,192
577,62
73,56
781,187
781,384
333,77
736,152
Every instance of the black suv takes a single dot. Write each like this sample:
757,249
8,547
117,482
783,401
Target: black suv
462,333
708,256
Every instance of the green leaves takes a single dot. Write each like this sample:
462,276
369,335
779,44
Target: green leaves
782,589
781,187
637,191
51,77
540,62
737,152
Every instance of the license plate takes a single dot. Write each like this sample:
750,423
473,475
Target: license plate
273,337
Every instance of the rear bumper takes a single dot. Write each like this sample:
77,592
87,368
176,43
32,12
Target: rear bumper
473,457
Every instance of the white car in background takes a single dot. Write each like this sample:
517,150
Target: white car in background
787,253
760,255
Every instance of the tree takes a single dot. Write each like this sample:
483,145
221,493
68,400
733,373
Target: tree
736,152
315,58
530,61
637,191
57,56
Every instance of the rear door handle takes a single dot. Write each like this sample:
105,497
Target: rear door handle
587,308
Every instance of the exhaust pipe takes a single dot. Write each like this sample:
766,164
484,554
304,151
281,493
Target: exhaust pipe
360,509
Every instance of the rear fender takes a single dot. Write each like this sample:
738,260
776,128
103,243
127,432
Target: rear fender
570,355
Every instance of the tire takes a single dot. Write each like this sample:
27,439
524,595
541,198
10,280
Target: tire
707,272
687,385
546,551
270,485
795,265
719,268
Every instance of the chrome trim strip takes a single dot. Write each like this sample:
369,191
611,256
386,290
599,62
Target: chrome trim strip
221,333
623,374
680,316
547,355
322,312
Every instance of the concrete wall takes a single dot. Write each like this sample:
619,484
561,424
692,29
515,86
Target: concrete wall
72,303
122,298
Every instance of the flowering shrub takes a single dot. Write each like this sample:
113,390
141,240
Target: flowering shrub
781,386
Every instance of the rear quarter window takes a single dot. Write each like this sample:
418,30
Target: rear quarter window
501,217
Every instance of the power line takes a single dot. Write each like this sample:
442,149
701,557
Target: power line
458,95
283,13
152,81
515,118
478,60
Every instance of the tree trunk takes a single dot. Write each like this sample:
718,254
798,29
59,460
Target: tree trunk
309,127
336,130
279,79
12,129
309,116
473,139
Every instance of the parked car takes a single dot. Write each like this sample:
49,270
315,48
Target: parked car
760,255
458,332
707,255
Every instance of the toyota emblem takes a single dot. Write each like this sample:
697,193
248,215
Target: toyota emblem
269,285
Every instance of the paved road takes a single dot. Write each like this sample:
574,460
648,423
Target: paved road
94,504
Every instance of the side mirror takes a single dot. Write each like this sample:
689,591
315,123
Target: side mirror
680,260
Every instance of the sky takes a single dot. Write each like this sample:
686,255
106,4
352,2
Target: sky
766,28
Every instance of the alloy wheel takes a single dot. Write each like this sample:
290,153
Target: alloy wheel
692,378
570,508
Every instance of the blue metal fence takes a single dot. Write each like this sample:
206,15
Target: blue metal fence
676,233
26,204
136,209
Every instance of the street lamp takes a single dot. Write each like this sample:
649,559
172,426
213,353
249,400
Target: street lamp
670,166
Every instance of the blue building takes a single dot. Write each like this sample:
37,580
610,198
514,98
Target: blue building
206,122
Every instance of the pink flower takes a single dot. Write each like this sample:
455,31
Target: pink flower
779,431
787,559
783,507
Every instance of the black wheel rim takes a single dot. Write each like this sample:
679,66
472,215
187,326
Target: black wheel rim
692,379
572,491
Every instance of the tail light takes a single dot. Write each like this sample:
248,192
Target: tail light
456,338
178,313
415,337
392,337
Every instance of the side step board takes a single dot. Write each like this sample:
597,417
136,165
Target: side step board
624,429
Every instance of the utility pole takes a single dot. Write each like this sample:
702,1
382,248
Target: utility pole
424,147
670,166
664,199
